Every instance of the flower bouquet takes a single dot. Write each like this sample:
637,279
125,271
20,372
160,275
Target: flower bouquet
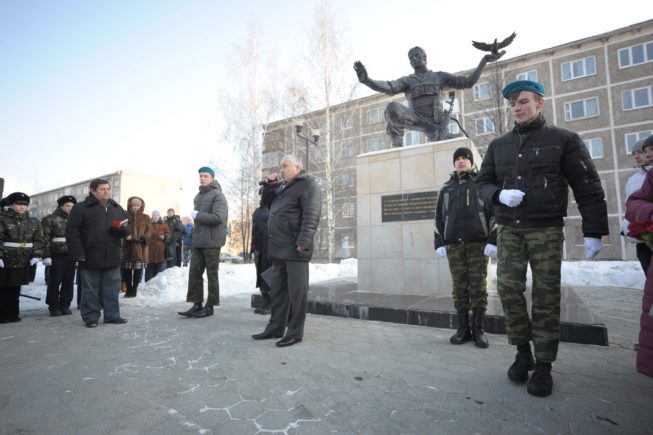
642,230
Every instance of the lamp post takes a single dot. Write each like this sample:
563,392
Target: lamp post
299,126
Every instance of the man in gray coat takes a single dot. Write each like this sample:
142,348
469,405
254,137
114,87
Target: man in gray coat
292,223
210,216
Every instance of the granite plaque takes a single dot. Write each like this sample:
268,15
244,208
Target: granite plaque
409,207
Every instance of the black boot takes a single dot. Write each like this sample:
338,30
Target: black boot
523,364
541,383
265,308
55,311
196,306
463,333
203,312
478,333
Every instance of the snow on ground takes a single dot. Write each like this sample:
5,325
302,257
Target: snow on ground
239,279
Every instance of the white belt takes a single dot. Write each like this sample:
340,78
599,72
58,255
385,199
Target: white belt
18,245
59,239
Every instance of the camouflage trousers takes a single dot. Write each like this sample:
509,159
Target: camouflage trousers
542,248
201,259
468,266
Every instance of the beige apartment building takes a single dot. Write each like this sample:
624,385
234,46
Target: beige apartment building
600,87
158,193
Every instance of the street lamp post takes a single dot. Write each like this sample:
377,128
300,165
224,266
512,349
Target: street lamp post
299,125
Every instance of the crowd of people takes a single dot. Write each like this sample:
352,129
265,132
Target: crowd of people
513,209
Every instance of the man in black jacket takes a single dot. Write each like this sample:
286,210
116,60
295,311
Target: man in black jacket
292,223
526,174
94,232
465,234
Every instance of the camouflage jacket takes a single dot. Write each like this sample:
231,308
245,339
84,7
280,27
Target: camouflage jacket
54,233
20,239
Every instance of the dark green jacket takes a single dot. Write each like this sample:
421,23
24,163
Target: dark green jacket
19,228
54,227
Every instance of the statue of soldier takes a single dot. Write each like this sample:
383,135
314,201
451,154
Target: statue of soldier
422,90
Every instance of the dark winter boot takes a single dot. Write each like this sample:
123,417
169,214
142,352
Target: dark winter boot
541,383
55,311
265,308
478,334
189,313
523,364
463,333
203,312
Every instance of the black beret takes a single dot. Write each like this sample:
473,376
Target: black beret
18,197
66,199
465,152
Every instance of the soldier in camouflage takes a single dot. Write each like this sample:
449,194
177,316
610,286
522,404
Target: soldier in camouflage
526,174
21,246
62,265
466,235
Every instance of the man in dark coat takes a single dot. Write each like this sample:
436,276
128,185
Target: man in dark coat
260,240
94,232
526,174
62,265
292,224
176,237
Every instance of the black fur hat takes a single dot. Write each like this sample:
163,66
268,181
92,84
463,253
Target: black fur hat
65,199
18,198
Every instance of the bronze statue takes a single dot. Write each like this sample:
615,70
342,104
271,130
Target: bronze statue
422,90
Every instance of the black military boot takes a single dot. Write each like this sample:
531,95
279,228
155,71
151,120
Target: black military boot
196,306
55,311
203,312
463,333
265,308
478,333
523,364
541,383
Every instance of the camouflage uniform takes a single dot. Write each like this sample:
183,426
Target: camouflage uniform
201,259
62,271
468,266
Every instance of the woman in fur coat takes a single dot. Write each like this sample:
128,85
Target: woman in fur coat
157,246
134,249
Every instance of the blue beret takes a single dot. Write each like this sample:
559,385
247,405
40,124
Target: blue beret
522,85
207,170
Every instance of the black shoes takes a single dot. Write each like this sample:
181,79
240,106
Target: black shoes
265,335
66,311
116,321
265,308
202,312
92,324
541,383
288,341
523,364
463,333
55,312
189,313
478,334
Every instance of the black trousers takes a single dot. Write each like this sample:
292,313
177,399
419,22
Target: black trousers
61,281
643,255
9,303
288,288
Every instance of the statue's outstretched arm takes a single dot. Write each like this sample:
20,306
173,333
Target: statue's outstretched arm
376,85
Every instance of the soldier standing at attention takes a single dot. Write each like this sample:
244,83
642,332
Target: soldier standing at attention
21,246
62,265
465,234
526,174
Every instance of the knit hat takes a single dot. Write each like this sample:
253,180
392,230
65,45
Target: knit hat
19,198
522,85
66,199
207,170
465,152
156,213
648,142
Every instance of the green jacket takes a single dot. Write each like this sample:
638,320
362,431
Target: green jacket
54,233
19,229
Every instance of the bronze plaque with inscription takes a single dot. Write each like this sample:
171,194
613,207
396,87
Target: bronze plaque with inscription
408,207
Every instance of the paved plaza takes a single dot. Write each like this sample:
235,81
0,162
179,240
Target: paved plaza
163,374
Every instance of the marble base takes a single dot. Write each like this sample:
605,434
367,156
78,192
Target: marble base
341,298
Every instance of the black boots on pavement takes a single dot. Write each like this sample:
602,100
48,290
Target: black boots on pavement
189,313
265,308
467,332
198,311
523,364
541,383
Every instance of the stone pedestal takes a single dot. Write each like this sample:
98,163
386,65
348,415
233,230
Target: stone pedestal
398,257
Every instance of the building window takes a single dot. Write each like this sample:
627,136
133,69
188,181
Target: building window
375,115
632,138
579,68
595,147
347,180
635,55
346,122
482,91
528,75
484,126
374,144
637,98
348,210
271,135
348,150
453,128
580,109
412,137
271,159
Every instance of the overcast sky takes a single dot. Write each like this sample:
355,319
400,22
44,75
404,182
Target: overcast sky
92,87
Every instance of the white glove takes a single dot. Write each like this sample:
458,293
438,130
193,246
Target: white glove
441,251
47,261
490,251
34,260
2,264
194,214
511,197
592,246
